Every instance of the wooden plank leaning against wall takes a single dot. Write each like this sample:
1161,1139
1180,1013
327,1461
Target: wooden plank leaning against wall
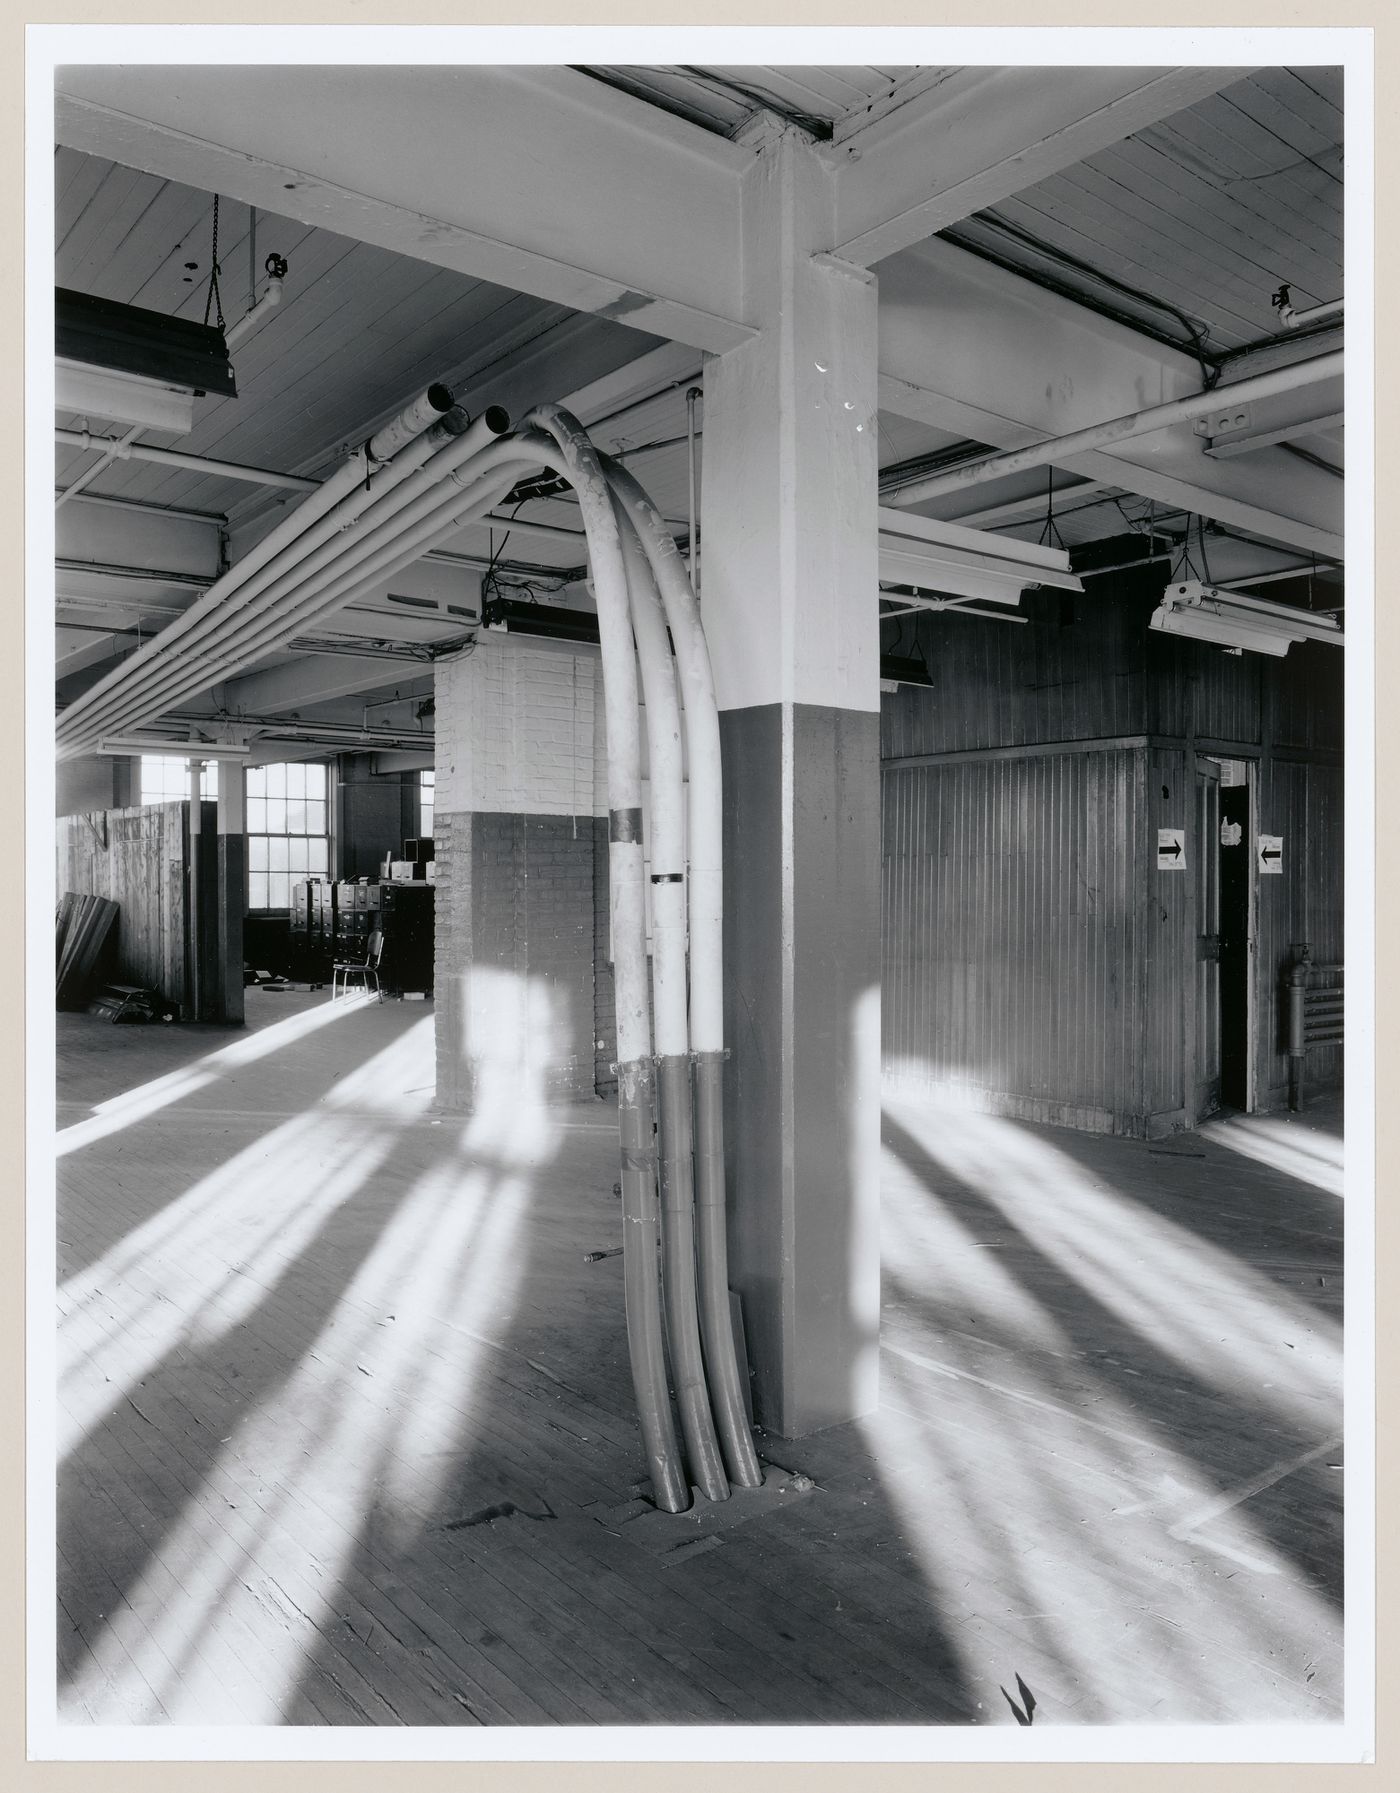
139,859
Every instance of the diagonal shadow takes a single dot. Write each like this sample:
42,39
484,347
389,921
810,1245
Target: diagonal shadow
1191,1415
213,1120
199,1396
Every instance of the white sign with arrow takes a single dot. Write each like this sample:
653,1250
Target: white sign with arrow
1271,853
1171,849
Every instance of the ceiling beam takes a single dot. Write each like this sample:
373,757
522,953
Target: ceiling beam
314,679
969,348
979,135
534,178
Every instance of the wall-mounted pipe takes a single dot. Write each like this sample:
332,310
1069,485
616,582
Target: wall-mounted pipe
1119,429
636,1104
668,910
705,814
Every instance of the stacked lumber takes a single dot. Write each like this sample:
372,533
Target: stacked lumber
84,928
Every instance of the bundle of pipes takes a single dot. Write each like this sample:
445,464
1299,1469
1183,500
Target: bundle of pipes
417,482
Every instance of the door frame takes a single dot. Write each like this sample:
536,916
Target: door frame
1251,981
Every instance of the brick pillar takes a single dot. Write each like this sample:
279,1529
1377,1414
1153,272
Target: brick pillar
517,829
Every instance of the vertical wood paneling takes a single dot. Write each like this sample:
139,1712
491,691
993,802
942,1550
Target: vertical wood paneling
135,858
1032,949
1305,804
1073,672
1007,900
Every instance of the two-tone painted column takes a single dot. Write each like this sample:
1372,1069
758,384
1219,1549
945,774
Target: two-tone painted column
789,535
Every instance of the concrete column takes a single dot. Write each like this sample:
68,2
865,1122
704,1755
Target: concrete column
789,545
232,884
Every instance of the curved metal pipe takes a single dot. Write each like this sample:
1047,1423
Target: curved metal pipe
668,905
706,818
636,1096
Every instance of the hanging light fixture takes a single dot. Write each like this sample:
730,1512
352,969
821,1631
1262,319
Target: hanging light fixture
135,366
1209,613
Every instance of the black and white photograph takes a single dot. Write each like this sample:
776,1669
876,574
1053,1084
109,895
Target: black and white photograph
709,825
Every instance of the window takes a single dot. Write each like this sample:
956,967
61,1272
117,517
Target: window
165,778
425,804
287,833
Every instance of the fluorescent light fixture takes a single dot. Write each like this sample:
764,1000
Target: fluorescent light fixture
1209,613
122,398
172,749
951,559
135,366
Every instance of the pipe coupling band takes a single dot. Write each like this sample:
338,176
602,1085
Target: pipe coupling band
625,825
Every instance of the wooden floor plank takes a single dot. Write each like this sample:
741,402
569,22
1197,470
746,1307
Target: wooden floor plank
279,1442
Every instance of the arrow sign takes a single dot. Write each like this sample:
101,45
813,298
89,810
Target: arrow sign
1171,849
1271,853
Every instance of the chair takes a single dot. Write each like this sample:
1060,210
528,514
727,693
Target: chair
364,969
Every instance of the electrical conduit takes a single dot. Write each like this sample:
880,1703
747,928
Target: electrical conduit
668,907
705,815
635,1079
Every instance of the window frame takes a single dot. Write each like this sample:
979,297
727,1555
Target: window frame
279,852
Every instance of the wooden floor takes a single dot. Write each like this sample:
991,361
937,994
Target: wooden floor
345,1432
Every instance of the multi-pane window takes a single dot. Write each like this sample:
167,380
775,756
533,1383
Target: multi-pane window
287,832
425,804
165,778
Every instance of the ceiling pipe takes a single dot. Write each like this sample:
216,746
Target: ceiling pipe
1119,429
255,315
247,637
113,450
1292,319
333,576
347,490
1300,570
122,448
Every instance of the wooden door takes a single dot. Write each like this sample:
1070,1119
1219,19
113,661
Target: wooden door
1236,944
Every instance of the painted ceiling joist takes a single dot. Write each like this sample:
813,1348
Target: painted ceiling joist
969,348
572,192
972,137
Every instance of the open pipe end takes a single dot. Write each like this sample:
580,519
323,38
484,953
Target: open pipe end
497,419
440,397
457,421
